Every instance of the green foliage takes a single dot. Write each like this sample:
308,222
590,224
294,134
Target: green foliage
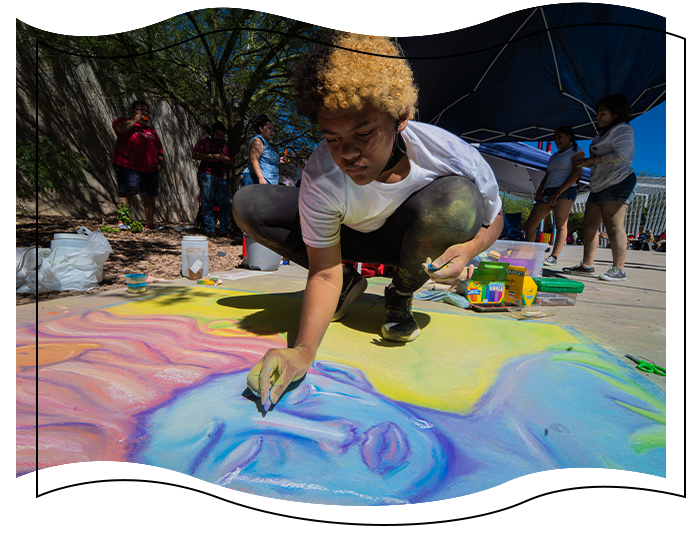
124,215
645,173
514,205
217,64
58,168
108,229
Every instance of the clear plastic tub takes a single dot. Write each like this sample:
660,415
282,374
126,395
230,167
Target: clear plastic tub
136,288
516,253
550,299
192,243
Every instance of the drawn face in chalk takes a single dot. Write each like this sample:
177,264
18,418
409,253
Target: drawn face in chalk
333,440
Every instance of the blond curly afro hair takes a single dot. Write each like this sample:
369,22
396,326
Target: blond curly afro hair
341,76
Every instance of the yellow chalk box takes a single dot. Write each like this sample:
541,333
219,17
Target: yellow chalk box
520,289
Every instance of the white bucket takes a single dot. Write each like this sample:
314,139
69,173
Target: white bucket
195,242
77,241
260,257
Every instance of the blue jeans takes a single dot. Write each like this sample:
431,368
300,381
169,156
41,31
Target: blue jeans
214,189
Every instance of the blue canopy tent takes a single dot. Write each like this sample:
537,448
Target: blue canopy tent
520,76
519,168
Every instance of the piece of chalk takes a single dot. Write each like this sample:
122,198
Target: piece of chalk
267,404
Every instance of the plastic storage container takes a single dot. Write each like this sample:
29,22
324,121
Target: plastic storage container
135,278
558,285
557,292
136,288
135,283
199,252
260,257
77,241
549,299
516,253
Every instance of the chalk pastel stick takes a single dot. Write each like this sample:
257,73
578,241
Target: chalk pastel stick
268,402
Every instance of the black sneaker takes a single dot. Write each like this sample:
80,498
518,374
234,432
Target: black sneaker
551,261
399,325
579,269
354,285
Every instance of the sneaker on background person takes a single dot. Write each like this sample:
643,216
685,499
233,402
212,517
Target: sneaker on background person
613,273
579,268
551,260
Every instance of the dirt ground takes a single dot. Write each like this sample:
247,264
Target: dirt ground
155,253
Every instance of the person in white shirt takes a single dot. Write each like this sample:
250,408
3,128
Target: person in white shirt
557,191
379,188
613,184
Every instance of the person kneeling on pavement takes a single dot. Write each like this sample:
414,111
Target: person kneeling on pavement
212,152
379,188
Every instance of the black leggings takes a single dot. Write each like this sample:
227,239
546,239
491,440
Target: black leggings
447,211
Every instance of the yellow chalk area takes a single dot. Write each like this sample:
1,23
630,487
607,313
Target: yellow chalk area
449,367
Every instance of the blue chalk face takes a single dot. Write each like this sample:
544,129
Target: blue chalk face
336,440
332,440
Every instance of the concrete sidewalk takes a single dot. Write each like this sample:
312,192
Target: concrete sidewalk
622,317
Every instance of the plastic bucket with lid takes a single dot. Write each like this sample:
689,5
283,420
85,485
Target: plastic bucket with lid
199,244
260,257
77,241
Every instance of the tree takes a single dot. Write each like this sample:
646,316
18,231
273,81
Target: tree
52,169
514,205
217,64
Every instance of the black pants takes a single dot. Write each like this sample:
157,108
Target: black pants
447,211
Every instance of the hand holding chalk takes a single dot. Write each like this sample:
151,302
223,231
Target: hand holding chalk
447,269
270,377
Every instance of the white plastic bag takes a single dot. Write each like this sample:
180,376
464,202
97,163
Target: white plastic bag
29,261
65,268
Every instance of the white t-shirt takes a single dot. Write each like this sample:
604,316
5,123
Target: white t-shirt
560,166
616,147
329,198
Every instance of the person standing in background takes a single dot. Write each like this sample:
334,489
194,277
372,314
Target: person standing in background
212,153
557,191
138,158
263,160
613,184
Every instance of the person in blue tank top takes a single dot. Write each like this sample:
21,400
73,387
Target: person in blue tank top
263,160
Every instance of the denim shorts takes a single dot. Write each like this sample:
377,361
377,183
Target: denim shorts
620,192
569,194
132,181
